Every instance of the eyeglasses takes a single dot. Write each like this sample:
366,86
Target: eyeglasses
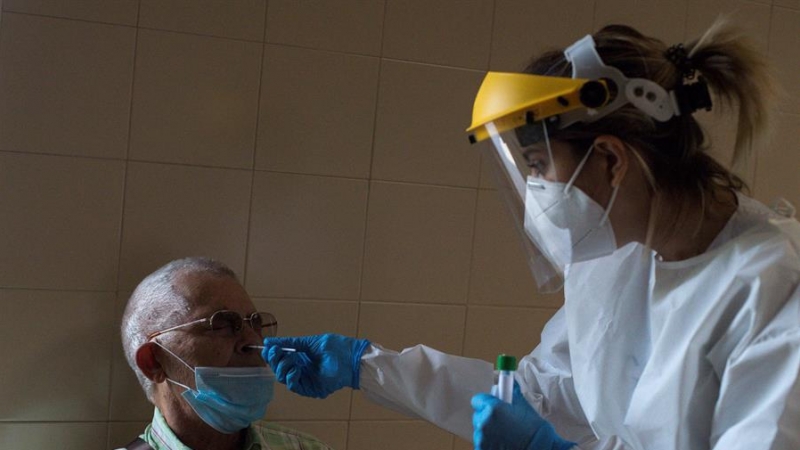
263,323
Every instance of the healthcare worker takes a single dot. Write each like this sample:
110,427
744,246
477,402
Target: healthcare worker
681,322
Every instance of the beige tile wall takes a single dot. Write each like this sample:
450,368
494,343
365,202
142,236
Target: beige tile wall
317,148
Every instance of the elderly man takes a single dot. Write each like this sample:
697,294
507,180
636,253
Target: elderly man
187,333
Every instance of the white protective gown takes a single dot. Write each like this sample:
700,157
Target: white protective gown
696,354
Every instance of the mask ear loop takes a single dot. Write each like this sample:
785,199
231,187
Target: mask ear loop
655,199
610,205
577,172
552,162
578,169
549,150
603,219
571,182
179,359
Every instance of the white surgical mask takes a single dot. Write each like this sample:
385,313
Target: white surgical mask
565,222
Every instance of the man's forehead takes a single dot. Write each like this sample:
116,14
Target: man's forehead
208,292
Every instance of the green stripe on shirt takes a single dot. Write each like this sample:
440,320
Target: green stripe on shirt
260,436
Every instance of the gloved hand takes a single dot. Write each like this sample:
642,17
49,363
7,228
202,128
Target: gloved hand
500,426
321,365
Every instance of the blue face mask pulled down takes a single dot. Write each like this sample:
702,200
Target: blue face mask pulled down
228,399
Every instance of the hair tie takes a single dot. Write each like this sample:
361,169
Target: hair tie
680,59
690,97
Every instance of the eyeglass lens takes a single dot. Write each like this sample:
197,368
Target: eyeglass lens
261,322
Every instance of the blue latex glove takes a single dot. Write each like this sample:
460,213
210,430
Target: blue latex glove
500,426
322,364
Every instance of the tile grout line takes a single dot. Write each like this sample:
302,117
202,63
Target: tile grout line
240,169
491,35
470,270
475,214
203,166
252,41
685,23
126,161
366,209
328,300
775,111
24,288
363,55
321,50
255,151
193,33
122,221
62,155
135,26
73,19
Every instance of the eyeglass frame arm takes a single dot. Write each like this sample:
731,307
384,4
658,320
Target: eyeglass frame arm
176,327
208,319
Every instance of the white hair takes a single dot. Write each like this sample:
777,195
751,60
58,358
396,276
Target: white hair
157,304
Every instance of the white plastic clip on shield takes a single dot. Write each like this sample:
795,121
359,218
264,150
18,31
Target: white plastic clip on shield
646,95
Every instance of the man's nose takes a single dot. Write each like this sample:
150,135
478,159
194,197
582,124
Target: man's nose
248,337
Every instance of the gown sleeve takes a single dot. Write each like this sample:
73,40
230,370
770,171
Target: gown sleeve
545,378
424,383
759,401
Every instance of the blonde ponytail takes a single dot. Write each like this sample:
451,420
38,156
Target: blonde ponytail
739,77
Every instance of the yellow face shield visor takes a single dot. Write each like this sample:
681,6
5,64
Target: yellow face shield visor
511,100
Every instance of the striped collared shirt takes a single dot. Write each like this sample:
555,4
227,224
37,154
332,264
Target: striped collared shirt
260,436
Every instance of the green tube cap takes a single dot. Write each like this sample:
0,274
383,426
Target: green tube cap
506,362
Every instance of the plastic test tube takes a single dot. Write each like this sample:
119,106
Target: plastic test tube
506,364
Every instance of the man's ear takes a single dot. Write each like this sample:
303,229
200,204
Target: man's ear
148,364
617,155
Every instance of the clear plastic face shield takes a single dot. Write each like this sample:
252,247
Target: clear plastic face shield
563,223
516,114
512,171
